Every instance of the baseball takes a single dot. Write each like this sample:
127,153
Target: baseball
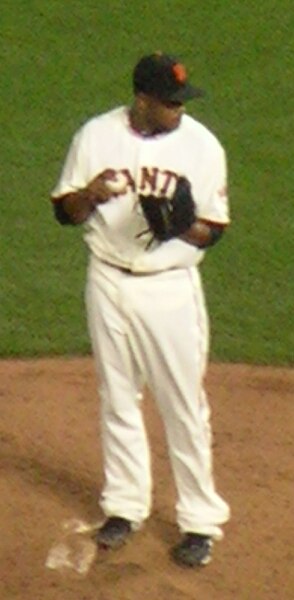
117,186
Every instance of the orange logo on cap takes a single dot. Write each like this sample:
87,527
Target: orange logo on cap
179,72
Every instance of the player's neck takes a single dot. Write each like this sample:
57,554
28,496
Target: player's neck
139,123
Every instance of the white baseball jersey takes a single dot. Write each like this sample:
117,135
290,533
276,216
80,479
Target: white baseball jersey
117,232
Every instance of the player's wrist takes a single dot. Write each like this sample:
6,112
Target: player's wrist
202,234
88,197
77,206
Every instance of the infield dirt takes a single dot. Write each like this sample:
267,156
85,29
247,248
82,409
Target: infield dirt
51,471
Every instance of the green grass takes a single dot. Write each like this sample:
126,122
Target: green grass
62,62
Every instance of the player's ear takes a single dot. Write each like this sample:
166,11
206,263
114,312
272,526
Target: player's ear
141,101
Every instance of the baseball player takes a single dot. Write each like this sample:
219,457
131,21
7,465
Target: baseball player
149,184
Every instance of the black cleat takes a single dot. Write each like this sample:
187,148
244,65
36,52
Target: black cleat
194,550
114,533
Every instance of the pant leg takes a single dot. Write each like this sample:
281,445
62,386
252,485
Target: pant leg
169,321
127,486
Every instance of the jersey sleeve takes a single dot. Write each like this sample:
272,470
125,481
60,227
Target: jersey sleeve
74,172
212,201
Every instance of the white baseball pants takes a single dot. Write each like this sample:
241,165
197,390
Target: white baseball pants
153,329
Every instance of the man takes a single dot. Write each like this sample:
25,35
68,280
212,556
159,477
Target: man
149,183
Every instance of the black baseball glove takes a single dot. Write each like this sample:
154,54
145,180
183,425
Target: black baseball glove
170,217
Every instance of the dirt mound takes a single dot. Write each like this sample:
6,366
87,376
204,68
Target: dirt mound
51,472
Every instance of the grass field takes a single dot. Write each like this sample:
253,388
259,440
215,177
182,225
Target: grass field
63,62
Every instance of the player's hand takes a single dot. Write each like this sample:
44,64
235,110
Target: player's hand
76,207
105,186
99,189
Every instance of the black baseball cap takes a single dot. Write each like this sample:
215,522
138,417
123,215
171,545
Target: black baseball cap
164,77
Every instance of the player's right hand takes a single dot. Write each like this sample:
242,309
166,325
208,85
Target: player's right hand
99,189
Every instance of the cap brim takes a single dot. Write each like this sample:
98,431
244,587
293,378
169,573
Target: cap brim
187,92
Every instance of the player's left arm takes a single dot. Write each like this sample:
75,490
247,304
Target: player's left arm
203,233
212,208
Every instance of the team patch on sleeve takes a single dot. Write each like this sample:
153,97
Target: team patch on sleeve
223,192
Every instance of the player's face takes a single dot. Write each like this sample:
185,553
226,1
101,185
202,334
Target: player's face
163,116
